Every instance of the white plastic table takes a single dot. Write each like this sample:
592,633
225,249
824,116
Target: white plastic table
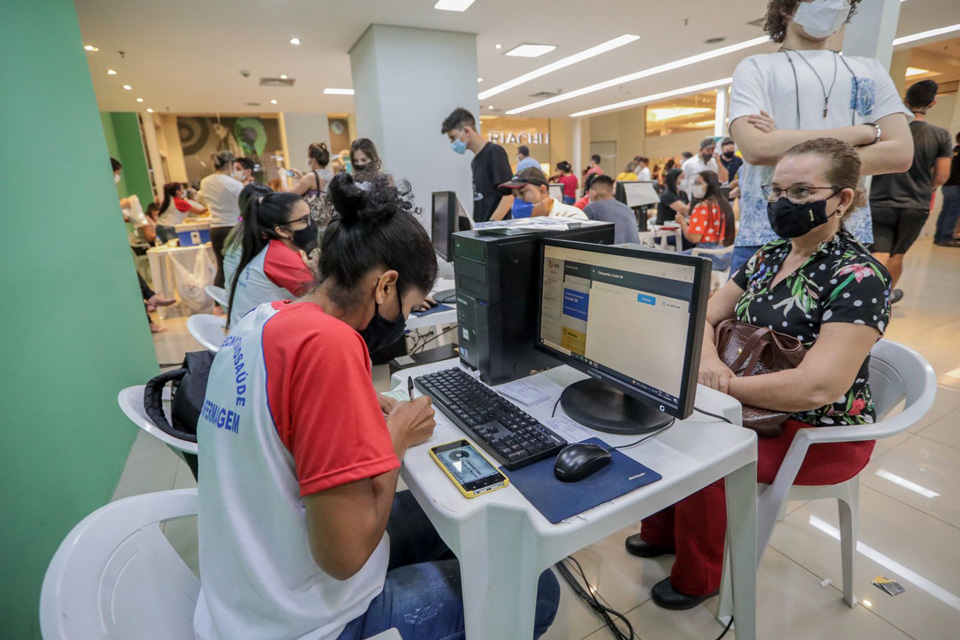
435,319
162,271
503,543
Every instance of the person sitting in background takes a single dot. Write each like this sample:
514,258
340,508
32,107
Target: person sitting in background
233,245
948,222
655,173
629,173
605,208
174,210
671,203
243,170
220,192
524,161
569,182
834,299
593,169
729,159
667,167
148,230
278,241
530,185
642,170
712,224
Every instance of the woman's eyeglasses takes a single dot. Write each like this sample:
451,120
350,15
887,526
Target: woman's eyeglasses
305,219
795,193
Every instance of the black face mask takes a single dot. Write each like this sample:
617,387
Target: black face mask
307,238
728,154
705,157
382,332
791,220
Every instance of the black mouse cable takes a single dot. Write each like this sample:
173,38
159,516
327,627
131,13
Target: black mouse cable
591,597
645,438
712,415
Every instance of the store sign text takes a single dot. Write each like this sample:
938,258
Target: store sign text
511,137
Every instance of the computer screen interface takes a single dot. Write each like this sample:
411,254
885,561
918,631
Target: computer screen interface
640,194
556,191
441,231
624,316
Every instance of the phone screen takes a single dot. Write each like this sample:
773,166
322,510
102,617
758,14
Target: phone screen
289,173
466,464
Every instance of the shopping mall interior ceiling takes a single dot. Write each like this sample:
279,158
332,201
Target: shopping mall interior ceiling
187,56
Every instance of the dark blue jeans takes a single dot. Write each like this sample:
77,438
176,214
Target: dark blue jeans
949,214
421,595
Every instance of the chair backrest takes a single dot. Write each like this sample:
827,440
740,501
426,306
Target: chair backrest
116,575
131,402
899,373
207,329
219,295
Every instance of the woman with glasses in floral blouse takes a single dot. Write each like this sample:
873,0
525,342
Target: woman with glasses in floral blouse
818,284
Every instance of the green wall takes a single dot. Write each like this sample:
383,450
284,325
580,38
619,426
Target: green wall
122,133
72,326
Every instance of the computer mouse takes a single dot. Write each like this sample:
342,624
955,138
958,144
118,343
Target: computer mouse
579,461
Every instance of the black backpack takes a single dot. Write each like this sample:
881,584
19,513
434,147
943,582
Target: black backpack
189,386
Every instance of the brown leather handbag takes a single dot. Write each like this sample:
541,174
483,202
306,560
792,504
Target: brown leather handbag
751,351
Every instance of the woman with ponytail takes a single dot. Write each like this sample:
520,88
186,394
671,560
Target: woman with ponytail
276,242
300,459
174,210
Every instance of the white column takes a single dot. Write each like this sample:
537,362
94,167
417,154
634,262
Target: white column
577,146
720,116
302,130
406,81
153,150
872,30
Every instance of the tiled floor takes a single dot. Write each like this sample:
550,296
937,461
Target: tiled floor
909,513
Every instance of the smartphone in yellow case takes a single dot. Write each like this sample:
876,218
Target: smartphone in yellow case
469,469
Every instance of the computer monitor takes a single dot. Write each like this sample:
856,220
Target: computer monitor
448,217
556,191
637,193
633,320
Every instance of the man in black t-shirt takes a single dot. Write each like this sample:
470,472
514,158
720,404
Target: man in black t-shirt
490,165
900,202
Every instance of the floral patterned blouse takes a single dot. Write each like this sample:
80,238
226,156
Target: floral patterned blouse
840,282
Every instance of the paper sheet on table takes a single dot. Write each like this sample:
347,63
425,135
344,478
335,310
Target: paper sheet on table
568,429
398,394
523,392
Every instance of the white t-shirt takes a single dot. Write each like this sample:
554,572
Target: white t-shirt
693,166
766,81
560,210
276,273
643,174
221,194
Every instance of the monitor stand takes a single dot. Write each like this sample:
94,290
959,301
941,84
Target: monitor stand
604,408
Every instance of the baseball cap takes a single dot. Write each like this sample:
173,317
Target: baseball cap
707,142
531,175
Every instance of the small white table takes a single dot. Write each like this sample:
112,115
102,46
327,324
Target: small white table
503,543
439,318
162,271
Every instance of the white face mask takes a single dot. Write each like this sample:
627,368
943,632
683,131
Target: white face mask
237,175
116,178
822,18
699,191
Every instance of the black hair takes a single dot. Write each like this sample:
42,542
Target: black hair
373,227
669,164
726,141
713,191
523,150
262,212
115,164
152,211
602,180
595,158
563,165
457,120
670,179
370,150
246,163
921,94
780,13
319,152
252,190
686,155
169,191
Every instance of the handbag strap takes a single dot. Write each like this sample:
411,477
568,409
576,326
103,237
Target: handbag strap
752,349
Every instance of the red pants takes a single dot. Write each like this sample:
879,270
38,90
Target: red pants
696,525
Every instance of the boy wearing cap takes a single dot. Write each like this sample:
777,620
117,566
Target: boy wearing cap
530,185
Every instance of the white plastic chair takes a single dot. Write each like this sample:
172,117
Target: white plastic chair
717,278
219,295
207,329
896,373
131,402
115,575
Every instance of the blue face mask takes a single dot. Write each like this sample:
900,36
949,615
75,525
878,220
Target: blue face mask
459,146
521,208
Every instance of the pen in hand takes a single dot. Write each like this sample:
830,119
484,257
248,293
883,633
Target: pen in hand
410,387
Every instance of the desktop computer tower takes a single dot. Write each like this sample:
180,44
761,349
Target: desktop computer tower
497,277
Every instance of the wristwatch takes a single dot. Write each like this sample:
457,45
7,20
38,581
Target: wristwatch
876,138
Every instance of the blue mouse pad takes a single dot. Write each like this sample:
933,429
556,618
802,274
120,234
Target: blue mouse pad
558,500
437,309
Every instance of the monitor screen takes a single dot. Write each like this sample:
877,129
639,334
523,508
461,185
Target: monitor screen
640,193
556,191
443,223
632,318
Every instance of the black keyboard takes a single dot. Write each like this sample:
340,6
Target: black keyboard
509,434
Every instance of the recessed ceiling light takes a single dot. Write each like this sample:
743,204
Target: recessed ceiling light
926,34
490,107
283,76
531,50
560,64
338,92
652,71
668,113
127,87
294,40
498,46
453,5
479,79
273,102
914,71
111,72
90,47
149,110
139,99
713,84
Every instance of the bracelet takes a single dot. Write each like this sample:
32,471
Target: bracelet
876,138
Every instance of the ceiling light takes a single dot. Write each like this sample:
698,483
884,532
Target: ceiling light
139,99
498,46
283,76
294,40
453,5
90,47
703,124
530,50
713,84
479,79
560,64
906,484
273,102
926,34
127,87
490,107
668,113
149,110
670,66
338,92
111,72
914,71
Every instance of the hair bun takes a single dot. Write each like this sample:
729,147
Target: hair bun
368,203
